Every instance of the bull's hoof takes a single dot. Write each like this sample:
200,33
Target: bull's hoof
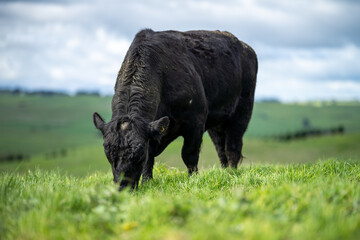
193,170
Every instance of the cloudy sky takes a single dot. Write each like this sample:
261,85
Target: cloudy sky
307,49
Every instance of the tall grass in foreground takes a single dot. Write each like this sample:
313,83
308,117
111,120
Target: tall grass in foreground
299,201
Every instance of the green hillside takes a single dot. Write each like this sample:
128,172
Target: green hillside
36,124
274,118
88,159
300,189
57,132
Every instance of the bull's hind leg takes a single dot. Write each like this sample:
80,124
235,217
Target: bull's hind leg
238,123
218,139
233,148
236,129
191,148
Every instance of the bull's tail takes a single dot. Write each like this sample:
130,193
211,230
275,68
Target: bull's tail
249,75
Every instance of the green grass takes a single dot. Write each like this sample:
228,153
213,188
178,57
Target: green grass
298,201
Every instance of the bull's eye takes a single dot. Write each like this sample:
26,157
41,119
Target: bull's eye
162,130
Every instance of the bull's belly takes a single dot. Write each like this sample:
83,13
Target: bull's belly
218,115
216,118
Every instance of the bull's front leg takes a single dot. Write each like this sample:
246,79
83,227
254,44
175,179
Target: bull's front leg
147,172
191,148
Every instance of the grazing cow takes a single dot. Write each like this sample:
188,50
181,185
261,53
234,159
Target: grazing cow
175,84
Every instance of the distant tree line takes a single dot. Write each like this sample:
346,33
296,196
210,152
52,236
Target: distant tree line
47,93
12,157
310,132
87,93
268,100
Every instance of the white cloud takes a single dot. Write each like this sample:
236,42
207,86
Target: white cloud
303,90
8,69
40,12
56,73
309,73
73,43
315,64
306,49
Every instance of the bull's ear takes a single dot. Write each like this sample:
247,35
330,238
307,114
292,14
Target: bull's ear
99,122
158,128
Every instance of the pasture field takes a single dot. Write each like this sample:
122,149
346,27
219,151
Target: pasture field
301,189
38,124
31,125
295,201
88,159
57,132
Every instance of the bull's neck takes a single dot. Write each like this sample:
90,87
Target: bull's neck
137,89
137,101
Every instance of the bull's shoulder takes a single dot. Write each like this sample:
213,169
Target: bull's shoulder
143,33
210,34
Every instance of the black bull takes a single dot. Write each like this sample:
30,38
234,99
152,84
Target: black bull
179,84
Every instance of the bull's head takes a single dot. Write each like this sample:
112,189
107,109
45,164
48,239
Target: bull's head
126,145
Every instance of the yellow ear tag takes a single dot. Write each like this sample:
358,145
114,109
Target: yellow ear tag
162,130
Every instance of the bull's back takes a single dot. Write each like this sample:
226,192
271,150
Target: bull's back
228,70
220,69
205,68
